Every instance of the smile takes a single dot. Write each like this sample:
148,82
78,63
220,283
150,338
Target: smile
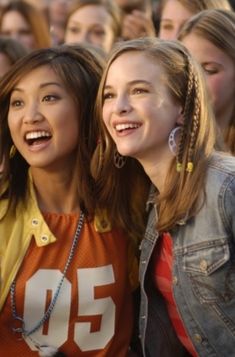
127,126
34,137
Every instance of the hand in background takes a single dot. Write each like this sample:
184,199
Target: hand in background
137,24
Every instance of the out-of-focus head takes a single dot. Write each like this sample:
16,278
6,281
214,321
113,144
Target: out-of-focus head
26,24
210,37
10,52
94,21
174,13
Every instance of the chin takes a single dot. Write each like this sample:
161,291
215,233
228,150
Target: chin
127,153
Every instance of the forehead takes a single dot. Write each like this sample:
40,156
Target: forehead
90,14
173,9
204,50
13,19
133,65
38,76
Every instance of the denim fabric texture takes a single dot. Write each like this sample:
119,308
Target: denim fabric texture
203,273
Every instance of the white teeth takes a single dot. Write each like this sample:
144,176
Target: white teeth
120,127
37,134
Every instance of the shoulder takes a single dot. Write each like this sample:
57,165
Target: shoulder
222,163
220,186
221,172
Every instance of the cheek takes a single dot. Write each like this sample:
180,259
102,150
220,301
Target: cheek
108,40
215,86
105,115
12,124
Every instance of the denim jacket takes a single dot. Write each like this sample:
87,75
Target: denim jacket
203,274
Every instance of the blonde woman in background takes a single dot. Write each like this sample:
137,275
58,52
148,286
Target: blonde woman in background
210,37
174,13
97,22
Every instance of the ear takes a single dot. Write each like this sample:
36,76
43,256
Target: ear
180,117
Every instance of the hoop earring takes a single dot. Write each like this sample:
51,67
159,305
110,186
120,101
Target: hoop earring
118,160
12,151
171,140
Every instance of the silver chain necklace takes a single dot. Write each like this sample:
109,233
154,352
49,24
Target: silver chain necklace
45,351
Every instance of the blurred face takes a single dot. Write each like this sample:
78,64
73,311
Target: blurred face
5,64
219,69
138,110
43,120
174,15
91,24
14,25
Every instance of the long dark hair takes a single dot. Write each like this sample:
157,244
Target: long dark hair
80,71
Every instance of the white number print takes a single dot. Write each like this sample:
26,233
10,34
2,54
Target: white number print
88,305
57,333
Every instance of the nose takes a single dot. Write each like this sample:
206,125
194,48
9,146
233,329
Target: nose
122,105
32,114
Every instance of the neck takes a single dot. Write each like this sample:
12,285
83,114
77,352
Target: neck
157,170
56,192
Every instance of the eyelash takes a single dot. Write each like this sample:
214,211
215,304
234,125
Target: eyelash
51,98
107,96
15,103
139,90
210,71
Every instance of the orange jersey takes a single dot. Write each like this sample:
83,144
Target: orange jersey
93,313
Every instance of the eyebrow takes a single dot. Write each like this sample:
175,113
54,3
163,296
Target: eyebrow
43,85
136,81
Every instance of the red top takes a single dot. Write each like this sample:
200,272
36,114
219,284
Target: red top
162,268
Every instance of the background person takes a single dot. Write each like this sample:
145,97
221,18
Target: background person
210,37
96,22
26,24
174,13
